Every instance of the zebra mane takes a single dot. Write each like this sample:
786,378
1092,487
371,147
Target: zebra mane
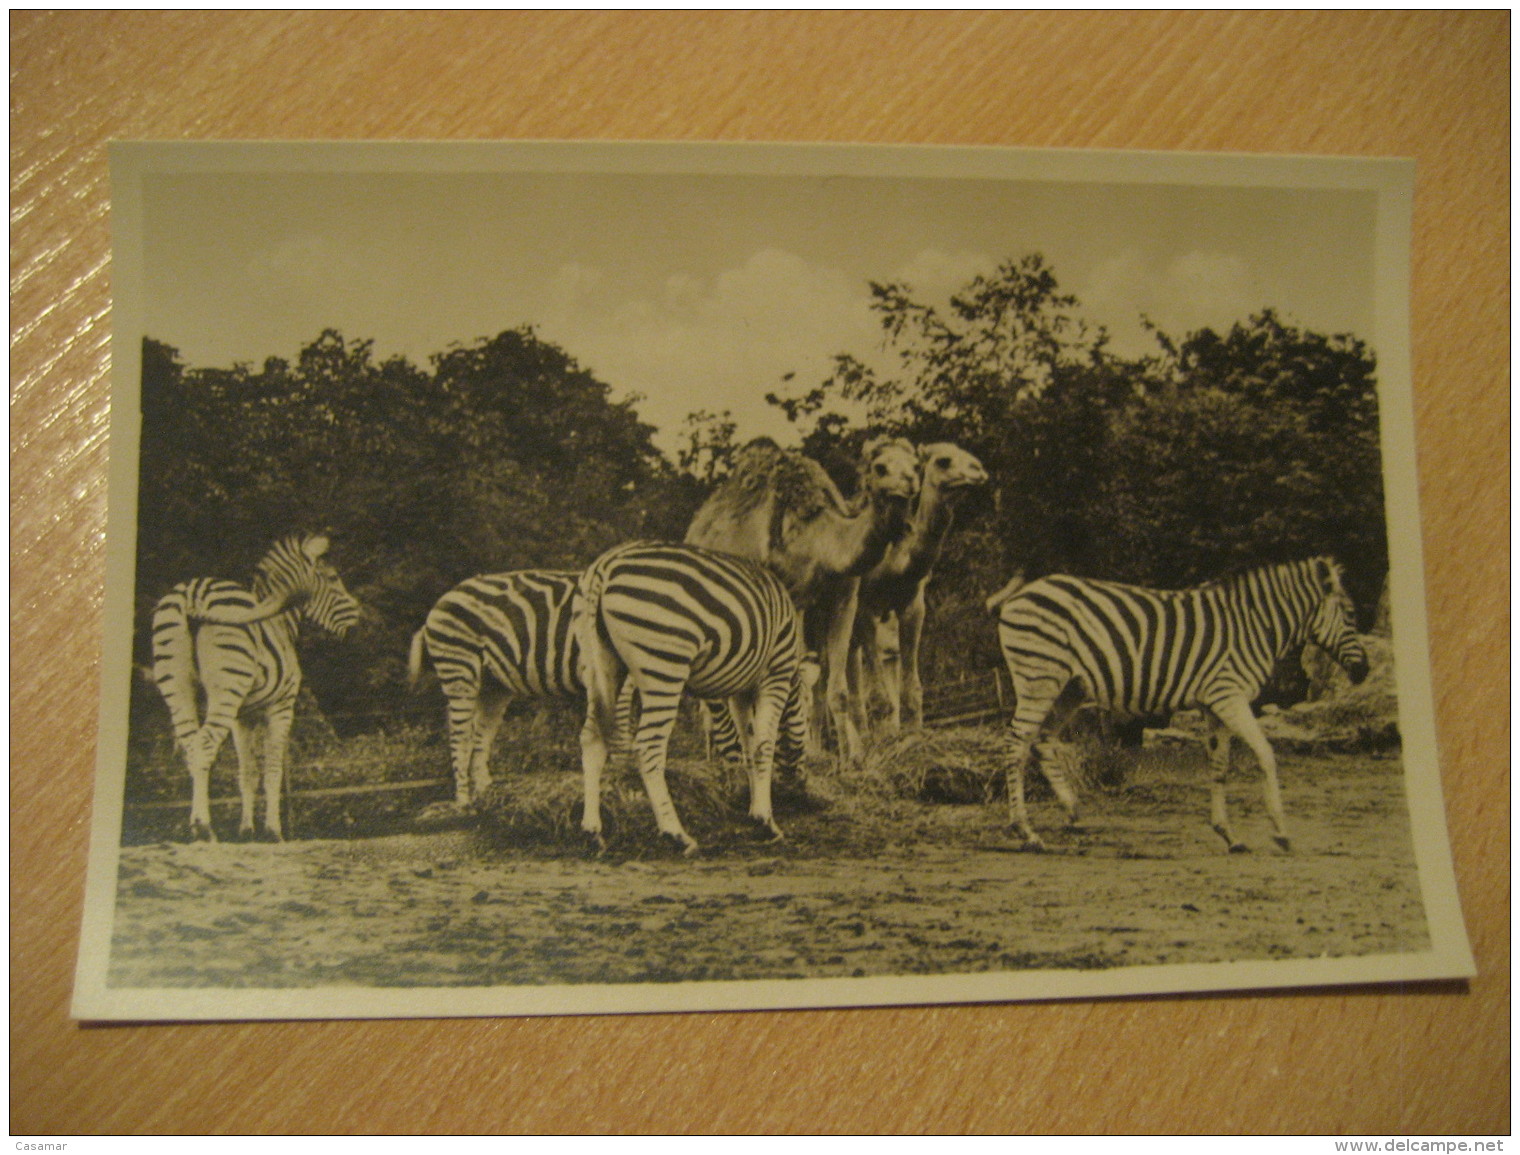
265,599
1323,571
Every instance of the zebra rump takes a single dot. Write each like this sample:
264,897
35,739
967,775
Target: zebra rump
236,647
493,638
670,619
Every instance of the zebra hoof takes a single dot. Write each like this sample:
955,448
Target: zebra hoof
596,845
1283,841
269,836
767,830
683,842
1239,848
200,832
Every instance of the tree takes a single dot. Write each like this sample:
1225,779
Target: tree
1216,452
504,455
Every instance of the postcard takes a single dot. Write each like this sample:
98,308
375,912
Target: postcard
559,578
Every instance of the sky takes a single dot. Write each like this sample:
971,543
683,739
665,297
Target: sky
702,291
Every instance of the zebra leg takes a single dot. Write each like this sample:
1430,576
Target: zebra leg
1028,716
602,671
627,721
768,709
657,720
1218,742
1235,713
490,708
1056,756
276,743
463,700
200,751
246,741
723,737
593,761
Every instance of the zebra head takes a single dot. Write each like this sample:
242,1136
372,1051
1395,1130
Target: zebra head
298,570
1332,624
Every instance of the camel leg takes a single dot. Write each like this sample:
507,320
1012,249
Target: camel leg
910,632
837,692
862,656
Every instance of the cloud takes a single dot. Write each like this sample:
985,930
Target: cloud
935,275
1213,285
1189,292
714,342
307,264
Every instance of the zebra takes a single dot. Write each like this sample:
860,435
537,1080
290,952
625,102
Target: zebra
678,618
493,638
236,648
1142,652
498,637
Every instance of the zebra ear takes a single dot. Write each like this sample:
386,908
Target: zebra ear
315,546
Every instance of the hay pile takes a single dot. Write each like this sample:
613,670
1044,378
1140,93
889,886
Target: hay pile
955,767
1341,717
542,810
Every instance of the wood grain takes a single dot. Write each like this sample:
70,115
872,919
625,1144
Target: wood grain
1428,85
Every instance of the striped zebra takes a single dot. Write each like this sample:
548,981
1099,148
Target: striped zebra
678,618
236,648
1143,652
491,639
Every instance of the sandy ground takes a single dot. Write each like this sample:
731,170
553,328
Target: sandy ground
1144,882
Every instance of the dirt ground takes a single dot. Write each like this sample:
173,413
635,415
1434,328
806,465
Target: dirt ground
943,892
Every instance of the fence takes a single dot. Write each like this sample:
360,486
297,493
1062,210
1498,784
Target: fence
969,700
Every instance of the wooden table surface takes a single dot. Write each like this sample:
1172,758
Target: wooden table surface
1377,1060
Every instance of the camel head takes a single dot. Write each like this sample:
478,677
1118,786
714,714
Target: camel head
948,468
889,468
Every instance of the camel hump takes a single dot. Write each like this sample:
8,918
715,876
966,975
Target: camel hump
795,488
804,492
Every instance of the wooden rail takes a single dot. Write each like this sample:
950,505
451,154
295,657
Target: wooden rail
326,791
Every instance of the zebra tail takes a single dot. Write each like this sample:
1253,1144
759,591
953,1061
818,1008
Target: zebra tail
173,670
414,660
1015,583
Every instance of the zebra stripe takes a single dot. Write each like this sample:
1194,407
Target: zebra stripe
678,618
237,647
1142,652
491,639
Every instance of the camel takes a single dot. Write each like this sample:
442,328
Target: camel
895,587
783,510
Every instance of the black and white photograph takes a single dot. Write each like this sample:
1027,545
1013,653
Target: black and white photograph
551,578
